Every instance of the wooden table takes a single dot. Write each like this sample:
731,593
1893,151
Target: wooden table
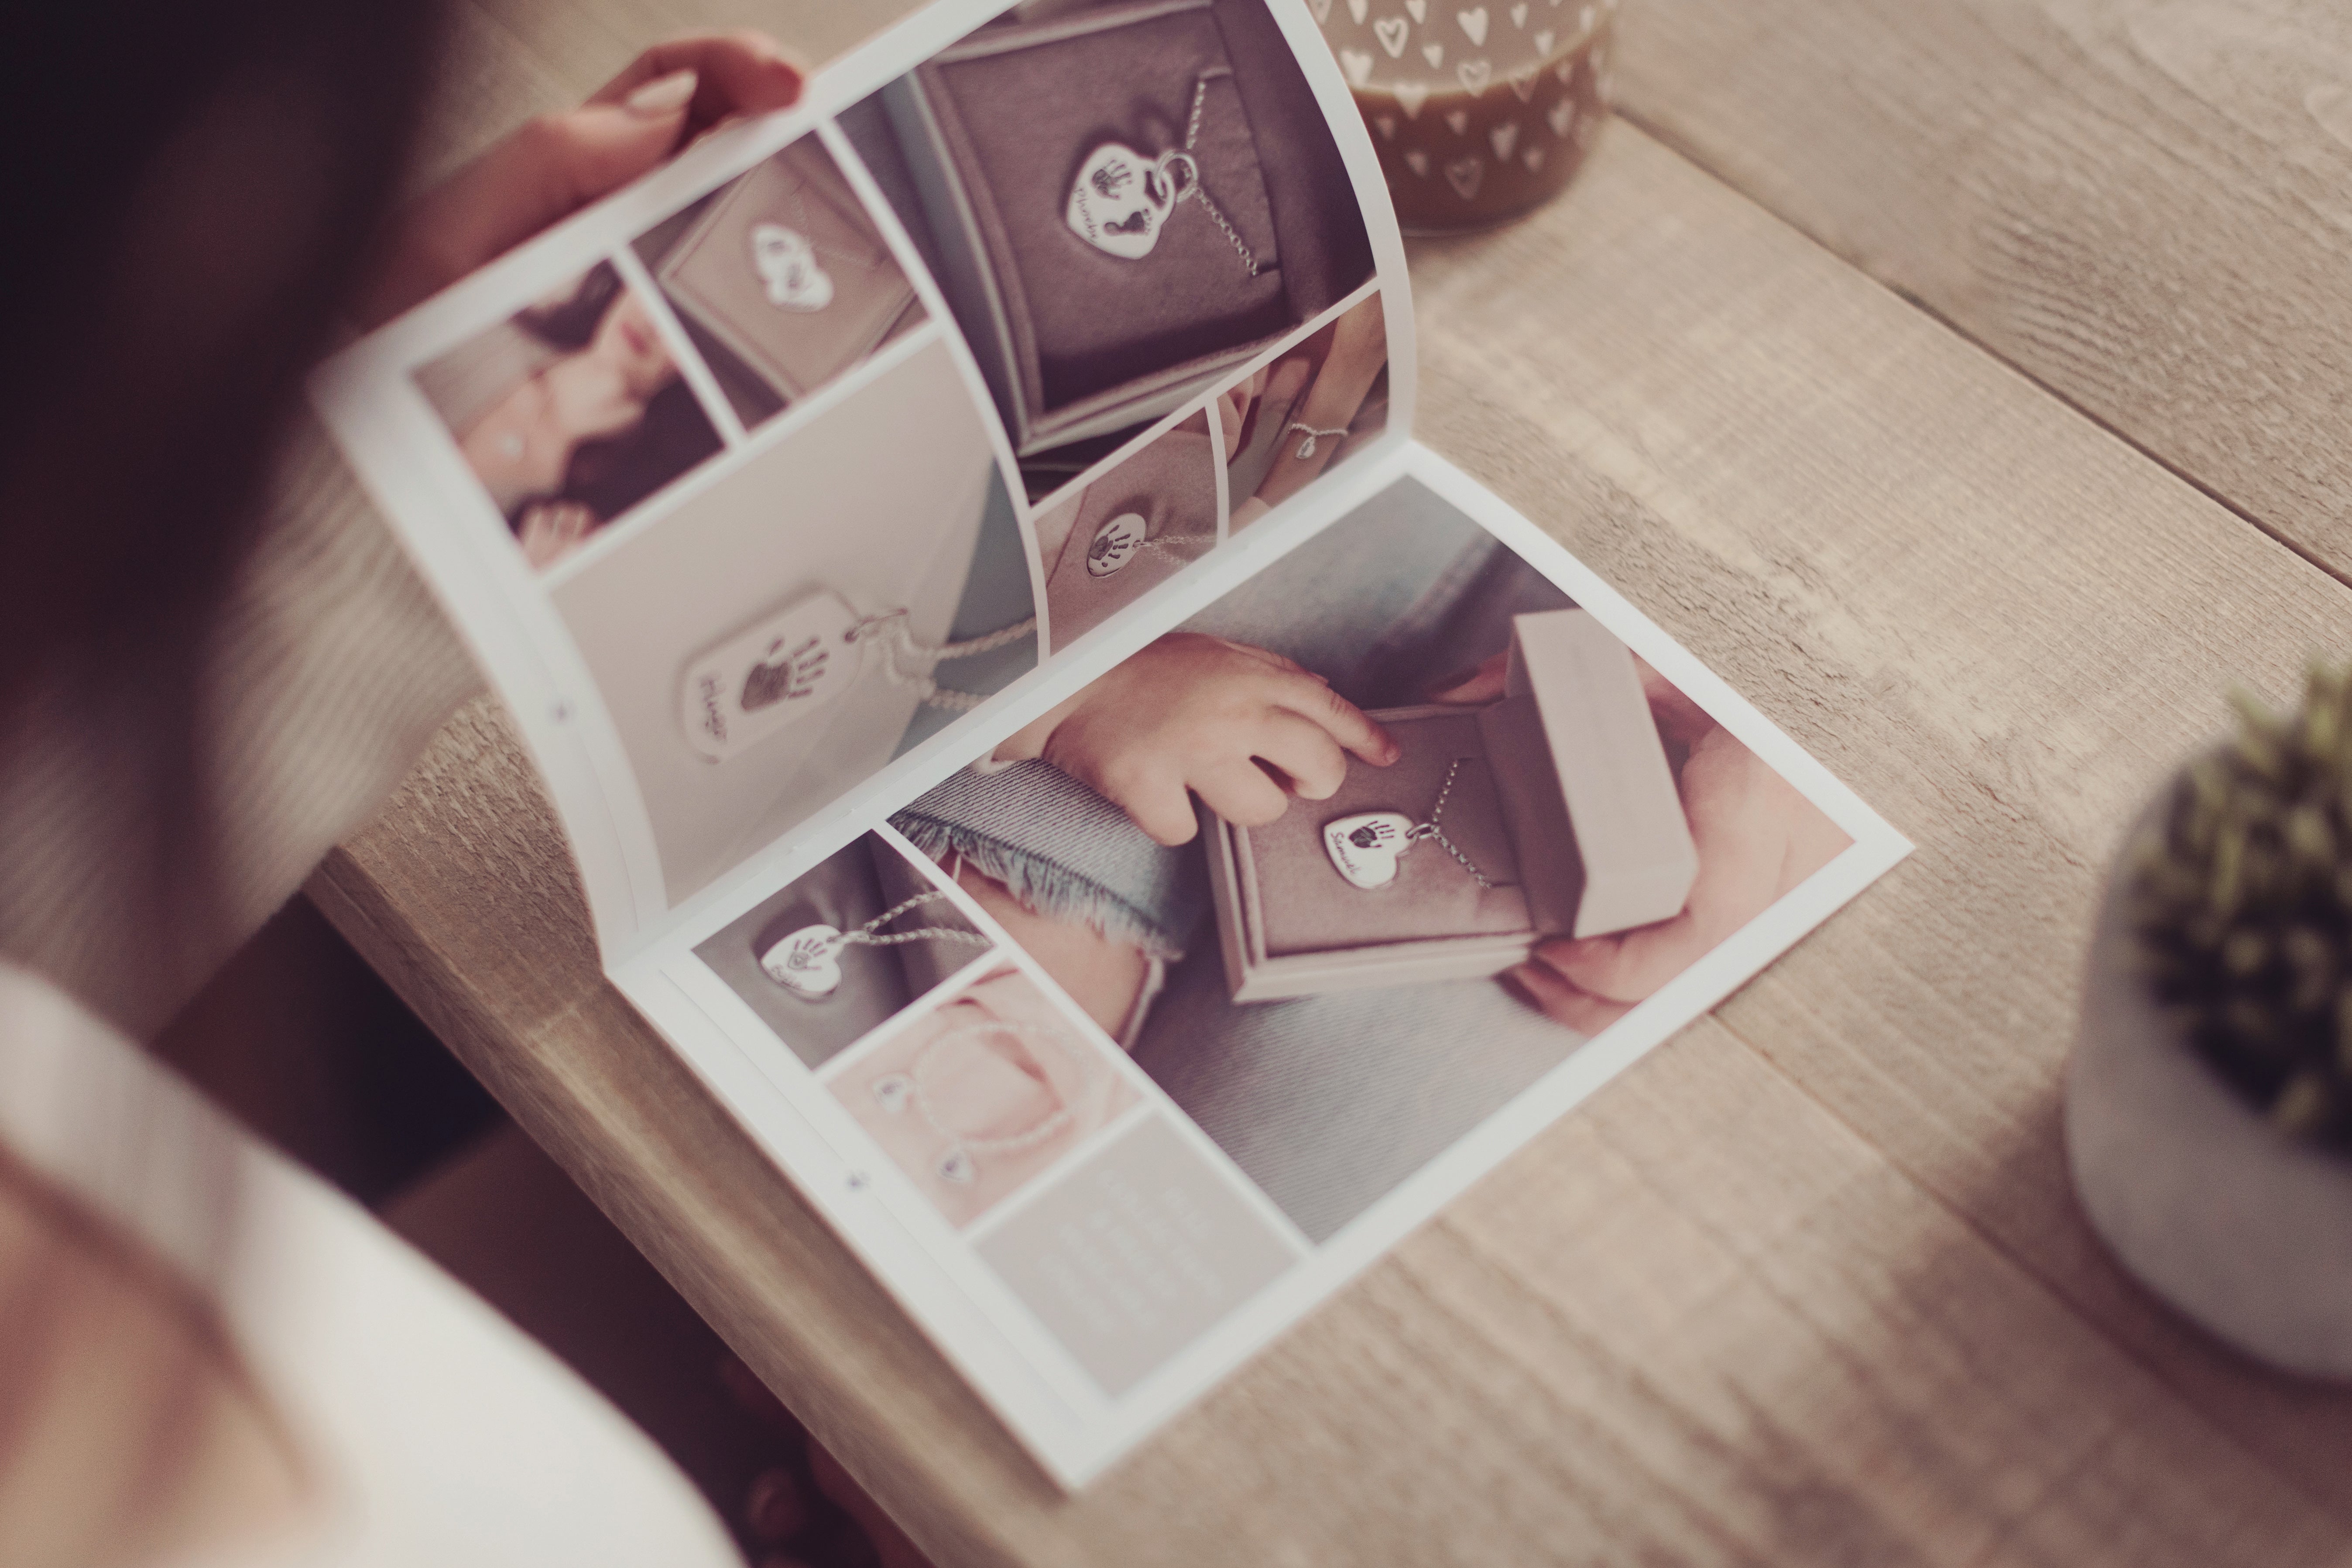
1963,379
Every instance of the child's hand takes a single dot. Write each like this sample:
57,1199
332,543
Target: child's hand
1242,728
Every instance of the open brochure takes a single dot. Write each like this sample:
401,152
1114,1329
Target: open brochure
1129,831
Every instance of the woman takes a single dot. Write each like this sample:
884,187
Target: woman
204,1354
584,416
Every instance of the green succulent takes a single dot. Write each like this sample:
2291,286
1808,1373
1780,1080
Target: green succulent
2242,898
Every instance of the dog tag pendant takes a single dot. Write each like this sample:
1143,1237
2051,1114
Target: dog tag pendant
1364,848
1116,543
807,963
786,261
1120,199
770,675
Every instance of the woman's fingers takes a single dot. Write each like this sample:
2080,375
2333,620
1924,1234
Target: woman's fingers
556,163
1311,699
1239,792
1305,752
1484,684
736,73
1561,1002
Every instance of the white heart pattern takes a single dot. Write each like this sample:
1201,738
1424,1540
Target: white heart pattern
1474,22
1463,174
1357,8
1364,848
788,268
1434,54
1390,31
1118,201
1420,9
1503,137
1523,81
1115,543
807,963
1543,40
1519,14
1474,75
1411,96
1386,125
1532,158
1417,161
1559,114
1357,65
1458,120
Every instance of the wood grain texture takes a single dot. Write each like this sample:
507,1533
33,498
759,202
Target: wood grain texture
1958,569
1806,1286
2146,204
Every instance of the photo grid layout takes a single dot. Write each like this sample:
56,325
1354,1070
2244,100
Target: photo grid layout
1147,1014
676,437
1277,909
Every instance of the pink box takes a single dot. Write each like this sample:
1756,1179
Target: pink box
1560,797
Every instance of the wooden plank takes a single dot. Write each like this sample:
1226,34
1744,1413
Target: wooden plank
2143,203
2001,625
1806,1287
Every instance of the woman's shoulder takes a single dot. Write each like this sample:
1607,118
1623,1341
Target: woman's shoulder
412,1423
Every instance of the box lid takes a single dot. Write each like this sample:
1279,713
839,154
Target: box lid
1591,801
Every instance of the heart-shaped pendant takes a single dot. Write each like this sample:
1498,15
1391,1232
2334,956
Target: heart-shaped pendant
1120,199
807,963
786,261
1116,543
955,1166
1364,848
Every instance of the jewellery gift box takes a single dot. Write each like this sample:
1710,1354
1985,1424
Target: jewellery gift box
1093,180
786,271
1130,531
1559,796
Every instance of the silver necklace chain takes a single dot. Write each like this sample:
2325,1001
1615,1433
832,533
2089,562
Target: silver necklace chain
1192,136
867,934
909,663
1431,829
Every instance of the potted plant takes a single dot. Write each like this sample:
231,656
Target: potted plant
2209,1101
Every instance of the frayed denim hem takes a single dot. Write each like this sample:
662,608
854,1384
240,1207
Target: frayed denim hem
1042,886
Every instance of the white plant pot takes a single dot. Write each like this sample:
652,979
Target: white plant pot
2243,1229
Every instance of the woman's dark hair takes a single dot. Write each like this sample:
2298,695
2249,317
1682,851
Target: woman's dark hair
610,475
193,188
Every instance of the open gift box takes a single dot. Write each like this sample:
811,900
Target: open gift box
1559,796
1009,133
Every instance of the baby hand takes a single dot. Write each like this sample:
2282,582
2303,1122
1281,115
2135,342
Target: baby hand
1242,728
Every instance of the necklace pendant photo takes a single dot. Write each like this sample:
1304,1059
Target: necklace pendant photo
1116,543
1118,201
770,675
957,1167
807,962
790,273
1364,848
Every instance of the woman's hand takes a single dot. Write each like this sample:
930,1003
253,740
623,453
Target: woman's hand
1242,728
550,529
1757,838
1358,350
555,164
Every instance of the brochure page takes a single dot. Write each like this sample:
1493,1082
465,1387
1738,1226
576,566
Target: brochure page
1128,830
